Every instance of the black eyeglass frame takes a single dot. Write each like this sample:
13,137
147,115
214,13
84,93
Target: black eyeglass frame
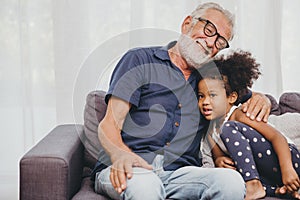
213,34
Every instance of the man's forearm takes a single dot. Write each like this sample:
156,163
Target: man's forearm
111,140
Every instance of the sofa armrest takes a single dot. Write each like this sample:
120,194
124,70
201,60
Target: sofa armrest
52,169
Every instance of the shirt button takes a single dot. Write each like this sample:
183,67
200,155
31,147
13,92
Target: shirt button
179,105
168,144
176,124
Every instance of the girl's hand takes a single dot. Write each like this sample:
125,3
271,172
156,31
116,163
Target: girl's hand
225,162
290,180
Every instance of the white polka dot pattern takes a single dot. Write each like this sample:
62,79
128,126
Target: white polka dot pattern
259,155
242,142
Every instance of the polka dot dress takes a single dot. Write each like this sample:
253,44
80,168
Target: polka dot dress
254,156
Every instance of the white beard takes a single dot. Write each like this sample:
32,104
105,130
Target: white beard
194,55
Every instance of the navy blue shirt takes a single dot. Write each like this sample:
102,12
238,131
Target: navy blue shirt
164,117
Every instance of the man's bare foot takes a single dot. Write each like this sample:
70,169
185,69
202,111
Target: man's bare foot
254,190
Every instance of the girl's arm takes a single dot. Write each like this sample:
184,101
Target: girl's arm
280,146
219,157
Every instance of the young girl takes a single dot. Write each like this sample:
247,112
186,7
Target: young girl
267,160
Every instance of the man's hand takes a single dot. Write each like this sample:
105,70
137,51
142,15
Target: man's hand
122,169
225,162
258,106
109,133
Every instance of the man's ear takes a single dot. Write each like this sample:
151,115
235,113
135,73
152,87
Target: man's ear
186,25
233,97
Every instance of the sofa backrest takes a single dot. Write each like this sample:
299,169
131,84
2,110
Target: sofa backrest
94,112
289,102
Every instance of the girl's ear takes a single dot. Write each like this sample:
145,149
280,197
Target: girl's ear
186,25
233,97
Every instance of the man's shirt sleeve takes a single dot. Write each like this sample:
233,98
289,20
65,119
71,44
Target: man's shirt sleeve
127,79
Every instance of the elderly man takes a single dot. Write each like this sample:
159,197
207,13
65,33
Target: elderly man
152,128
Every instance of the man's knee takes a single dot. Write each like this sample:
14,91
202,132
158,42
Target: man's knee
231,184
144,184
206,183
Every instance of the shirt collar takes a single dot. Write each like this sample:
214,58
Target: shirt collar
162,52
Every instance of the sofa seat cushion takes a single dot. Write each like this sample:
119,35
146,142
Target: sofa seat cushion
87,191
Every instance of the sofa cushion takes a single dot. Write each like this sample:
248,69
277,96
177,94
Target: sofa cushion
86,191
289,124
94,112
289,102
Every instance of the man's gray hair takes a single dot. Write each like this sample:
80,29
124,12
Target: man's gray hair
202,8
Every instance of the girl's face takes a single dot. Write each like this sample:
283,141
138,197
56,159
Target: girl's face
213,102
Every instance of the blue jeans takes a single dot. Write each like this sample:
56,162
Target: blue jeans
184,183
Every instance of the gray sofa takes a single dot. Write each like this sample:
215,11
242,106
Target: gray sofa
59,166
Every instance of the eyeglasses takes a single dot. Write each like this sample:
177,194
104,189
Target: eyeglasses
210,30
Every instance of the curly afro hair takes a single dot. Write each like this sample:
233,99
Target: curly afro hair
238,70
